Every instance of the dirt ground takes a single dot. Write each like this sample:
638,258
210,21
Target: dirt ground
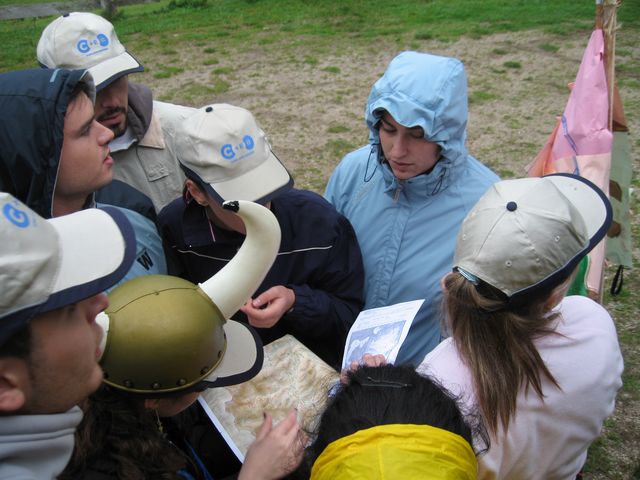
311,106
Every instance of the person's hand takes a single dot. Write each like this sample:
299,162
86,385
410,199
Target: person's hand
267,309
368,359
276,452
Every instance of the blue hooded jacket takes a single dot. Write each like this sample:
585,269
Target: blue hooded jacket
407,228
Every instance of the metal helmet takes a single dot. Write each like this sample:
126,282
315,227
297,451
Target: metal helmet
165,335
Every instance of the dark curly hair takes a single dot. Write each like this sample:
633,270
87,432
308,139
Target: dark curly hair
120,438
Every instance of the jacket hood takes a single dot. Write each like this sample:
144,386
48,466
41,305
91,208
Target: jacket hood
140,109
419,89
33,105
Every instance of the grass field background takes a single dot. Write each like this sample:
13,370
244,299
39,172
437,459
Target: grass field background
305,67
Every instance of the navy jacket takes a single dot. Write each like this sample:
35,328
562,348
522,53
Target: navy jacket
319,258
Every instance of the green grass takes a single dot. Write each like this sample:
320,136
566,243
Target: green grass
549,47
481,96
167,72
512,64
337,129
331,69
4,3
275,21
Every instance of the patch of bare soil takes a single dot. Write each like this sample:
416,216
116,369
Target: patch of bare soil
311,105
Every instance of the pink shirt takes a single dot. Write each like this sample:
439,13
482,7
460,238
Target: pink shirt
549,439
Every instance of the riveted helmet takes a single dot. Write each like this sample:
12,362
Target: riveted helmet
168,347
166,336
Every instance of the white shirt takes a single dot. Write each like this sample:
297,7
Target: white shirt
548,439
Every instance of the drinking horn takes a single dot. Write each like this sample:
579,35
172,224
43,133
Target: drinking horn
164,334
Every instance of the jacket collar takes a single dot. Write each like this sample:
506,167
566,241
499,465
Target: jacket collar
421,186
145,126
199,231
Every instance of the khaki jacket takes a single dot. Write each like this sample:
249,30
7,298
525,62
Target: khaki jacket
150,164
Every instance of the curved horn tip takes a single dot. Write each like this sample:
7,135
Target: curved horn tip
232,205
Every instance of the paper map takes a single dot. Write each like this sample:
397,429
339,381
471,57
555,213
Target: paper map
292,376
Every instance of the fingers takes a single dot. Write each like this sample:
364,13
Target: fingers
265,428
267,296
289,425
268,308
276,451
282,296
368,359
374,360
266,318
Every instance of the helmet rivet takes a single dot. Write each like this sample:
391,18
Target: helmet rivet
155,386
204,370
219,353
181,382
128,383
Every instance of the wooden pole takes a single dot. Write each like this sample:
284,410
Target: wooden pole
606,19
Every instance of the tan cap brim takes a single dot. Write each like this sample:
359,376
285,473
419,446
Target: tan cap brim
243,357
261,184
110,70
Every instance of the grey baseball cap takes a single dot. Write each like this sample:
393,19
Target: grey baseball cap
81,40
527,234
222,147
48,264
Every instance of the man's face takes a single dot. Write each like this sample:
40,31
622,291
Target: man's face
112,103
63,363
85,163
407,151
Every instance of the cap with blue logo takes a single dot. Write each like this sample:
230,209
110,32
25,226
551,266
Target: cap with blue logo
48,264
81,40
222,148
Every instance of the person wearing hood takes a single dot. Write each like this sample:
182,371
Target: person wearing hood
142,150
407,192
54,155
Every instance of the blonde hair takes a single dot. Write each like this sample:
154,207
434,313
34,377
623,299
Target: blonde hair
495,341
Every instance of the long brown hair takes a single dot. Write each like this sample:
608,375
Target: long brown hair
121,437
495,341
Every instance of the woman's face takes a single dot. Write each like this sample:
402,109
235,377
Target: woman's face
170,406
407,151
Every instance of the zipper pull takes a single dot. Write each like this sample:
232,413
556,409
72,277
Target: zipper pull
396,194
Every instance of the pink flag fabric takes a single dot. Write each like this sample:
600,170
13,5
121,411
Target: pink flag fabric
581,142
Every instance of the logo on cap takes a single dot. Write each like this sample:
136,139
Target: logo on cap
240,151
16,216
90,47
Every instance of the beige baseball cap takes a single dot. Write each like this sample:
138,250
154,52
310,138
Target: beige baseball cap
81,40
221,147
48,264
527,234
